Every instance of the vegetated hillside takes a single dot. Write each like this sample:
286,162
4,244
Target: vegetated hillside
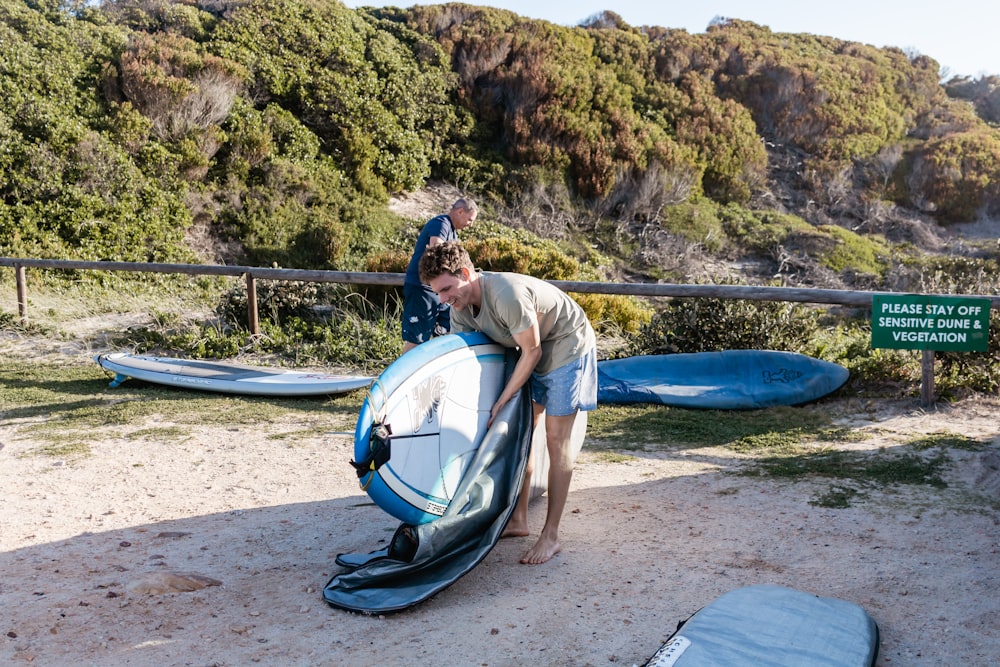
274,131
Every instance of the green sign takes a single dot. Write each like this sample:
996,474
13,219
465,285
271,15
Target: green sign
913,322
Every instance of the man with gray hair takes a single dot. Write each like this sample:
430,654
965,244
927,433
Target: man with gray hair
424,316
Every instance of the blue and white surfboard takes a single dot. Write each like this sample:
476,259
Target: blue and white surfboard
436,401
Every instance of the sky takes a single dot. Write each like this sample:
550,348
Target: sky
961,35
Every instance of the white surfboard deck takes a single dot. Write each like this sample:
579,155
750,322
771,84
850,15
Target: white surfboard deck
437,400
226,377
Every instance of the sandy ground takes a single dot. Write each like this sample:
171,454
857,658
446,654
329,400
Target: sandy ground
87,546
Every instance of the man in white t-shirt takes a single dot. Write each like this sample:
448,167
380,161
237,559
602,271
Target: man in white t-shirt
558,358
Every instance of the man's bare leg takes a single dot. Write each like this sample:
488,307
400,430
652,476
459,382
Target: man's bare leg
518,524
557,431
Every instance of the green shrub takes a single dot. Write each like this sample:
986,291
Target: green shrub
959,373
301,323
873,371
614,311
760,231
710,324
697,220
935,274
277,301
507,254
376,93
853,252
954,176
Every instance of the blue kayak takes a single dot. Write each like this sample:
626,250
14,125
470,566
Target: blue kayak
727,380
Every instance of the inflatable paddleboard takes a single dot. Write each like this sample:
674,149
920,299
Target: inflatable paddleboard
226,378
421,560
727,380
424,420
774,626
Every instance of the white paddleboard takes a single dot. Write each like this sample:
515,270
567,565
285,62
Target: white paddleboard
436,399
225,377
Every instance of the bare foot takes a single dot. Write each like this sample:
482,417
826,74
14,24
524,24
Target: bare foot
515,529
543,550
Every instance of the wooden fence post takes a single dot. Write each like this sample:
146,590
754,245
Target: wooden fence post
252,304
927,378
22,292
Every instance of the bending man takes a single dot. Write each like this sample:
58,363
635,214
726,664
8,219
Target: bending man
558,358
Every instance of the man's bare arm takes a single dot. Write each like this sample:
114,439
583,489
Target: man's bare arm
530,343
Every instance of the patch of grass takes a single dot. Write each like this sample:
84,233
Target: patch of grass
946,440
837,497
69,449
161,433
653,427
612,457
855,471
850,251
32,390
60,403
696,220
13,323
787,442
861,467
773,442
842,434
299,435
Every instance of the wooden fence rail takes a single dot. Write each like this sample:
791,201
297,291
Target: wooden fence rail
253,273
749,292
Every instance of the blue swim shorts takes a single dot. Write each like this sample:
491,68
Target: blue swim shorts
424,316
568,388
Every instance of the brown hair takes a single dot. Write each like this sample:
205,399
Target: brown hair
443,258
